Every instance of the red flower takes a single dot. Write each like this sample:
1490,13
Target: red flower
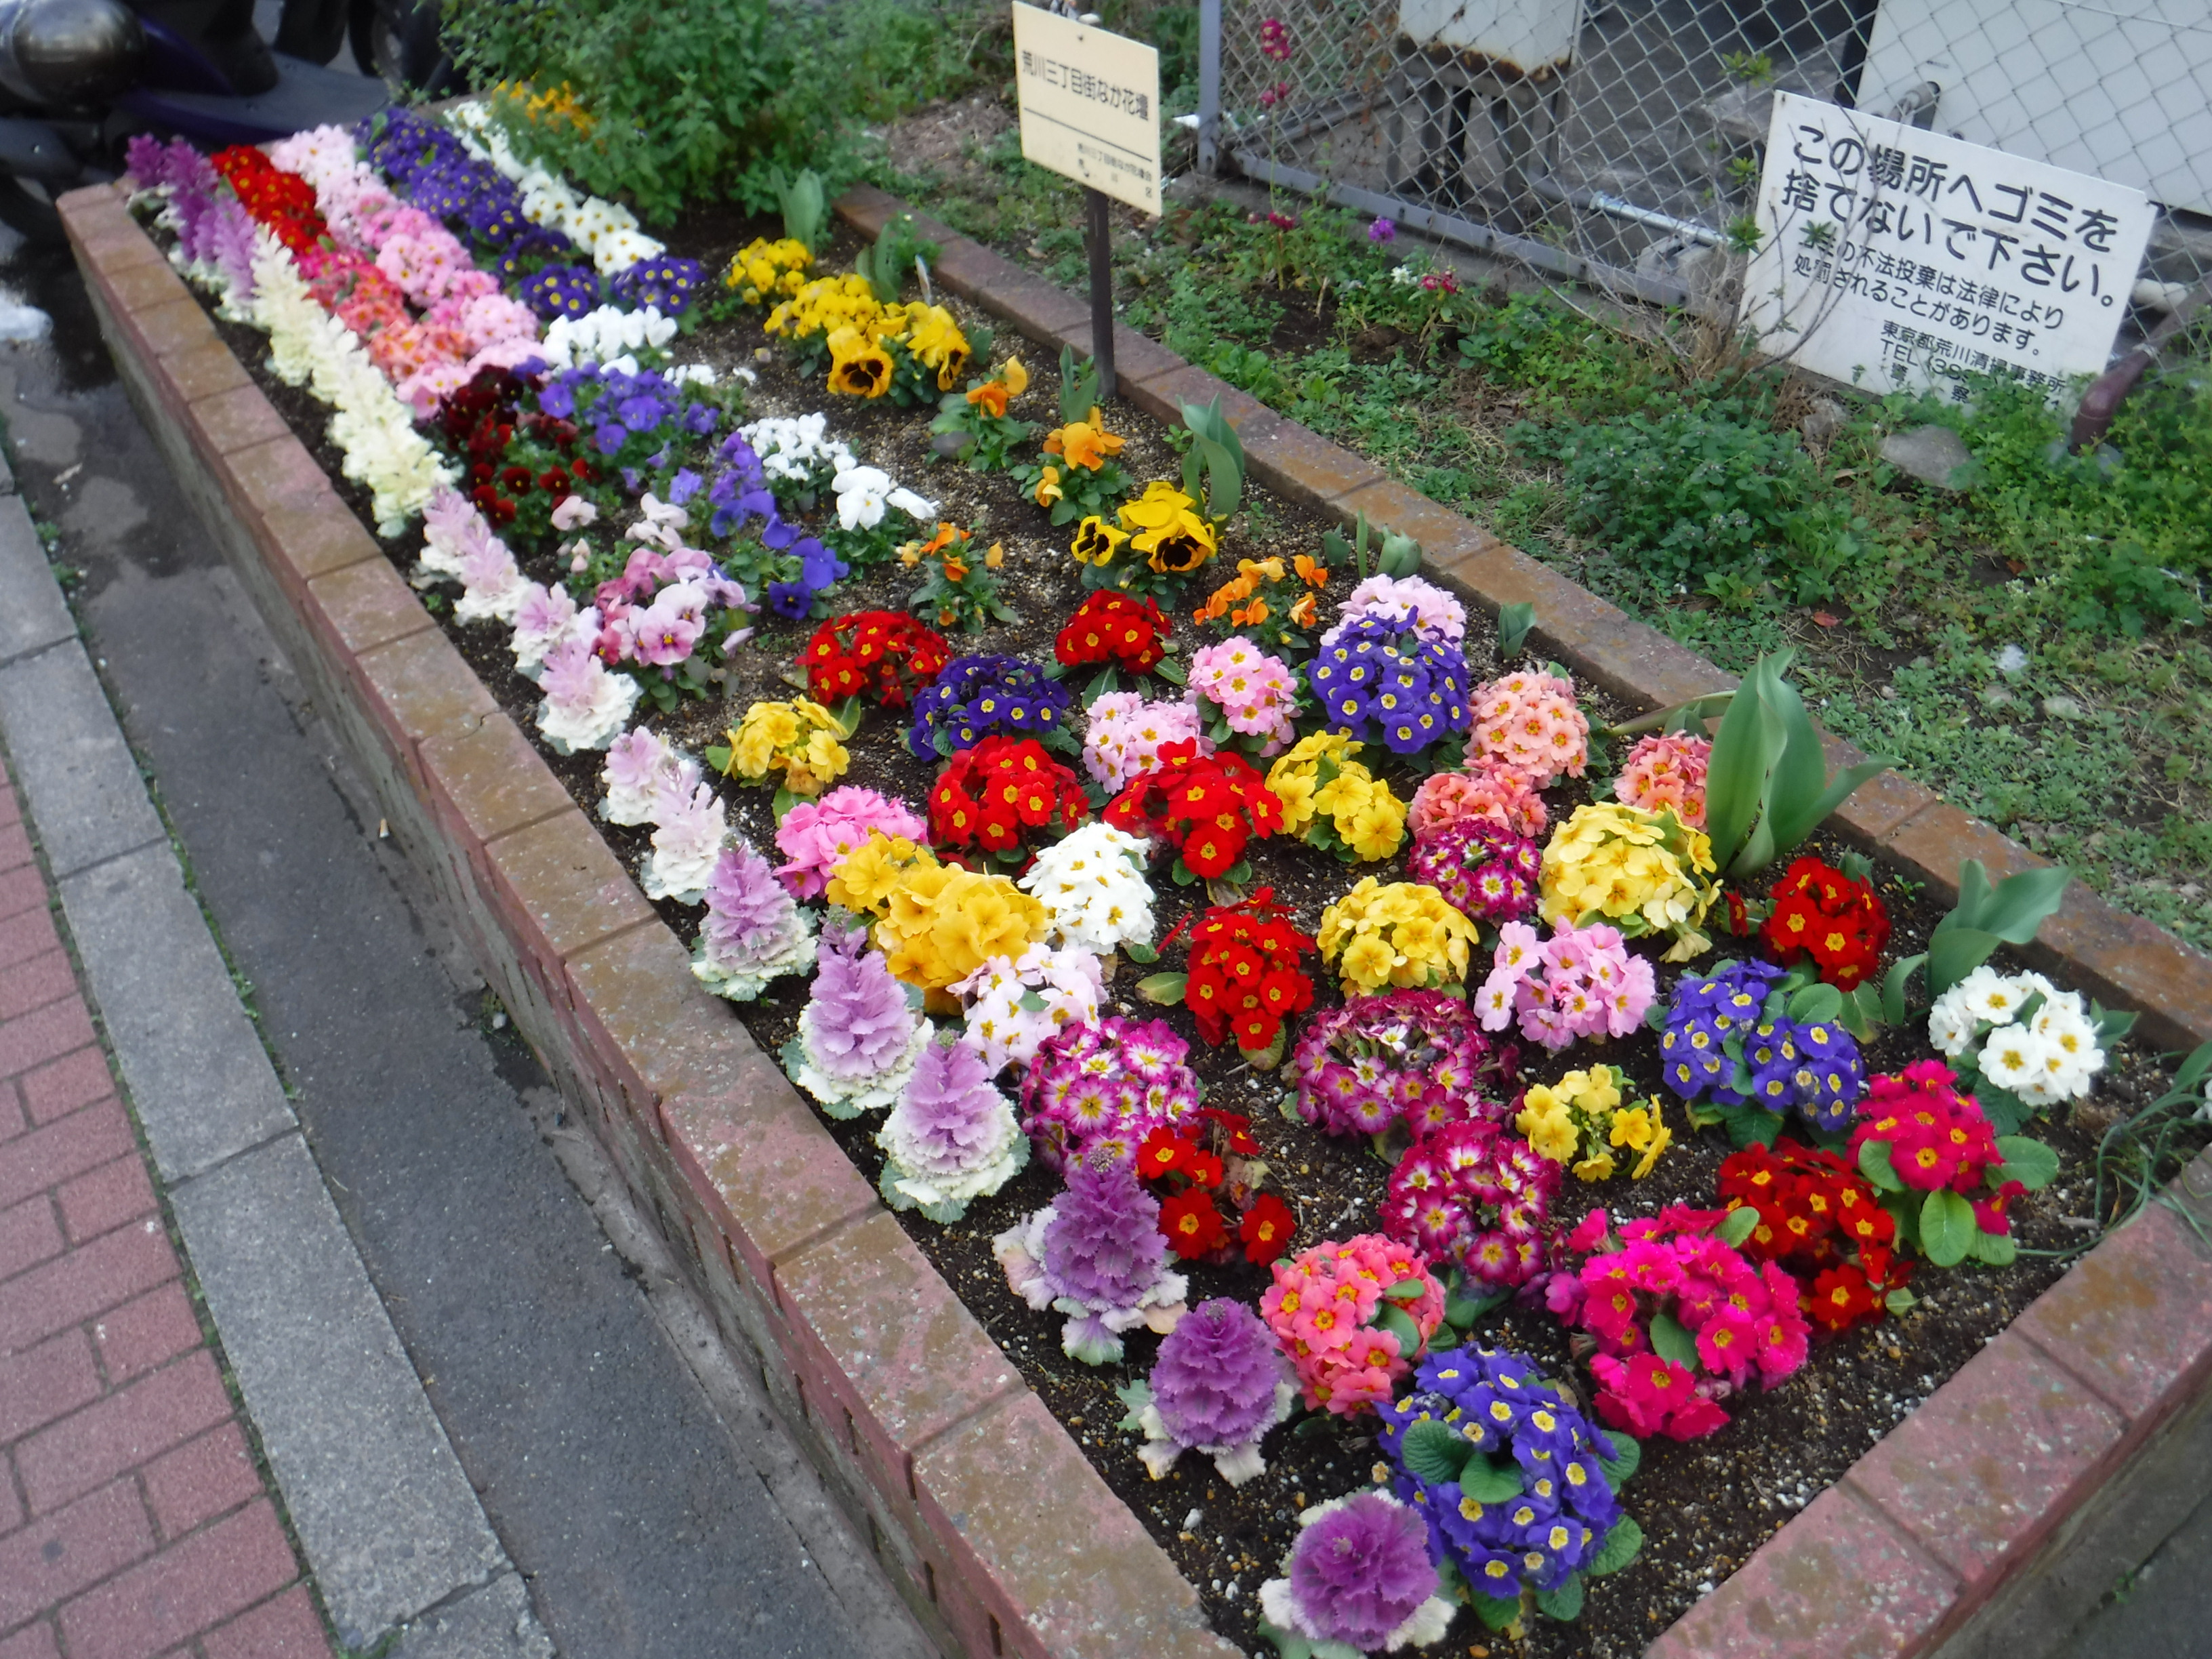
881,654
988,794
1244,973
1193,1227
1822,913
1841,1298
1165,1152
1114,626
1266,1230
1235,1129
1205,807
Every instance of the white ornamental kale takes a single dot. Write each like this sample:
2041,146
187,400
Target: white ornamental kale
858,1036
584,706
688,843
754,933
640,765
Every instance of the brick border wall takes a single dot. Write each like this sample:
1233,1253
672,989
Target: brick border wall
988,1518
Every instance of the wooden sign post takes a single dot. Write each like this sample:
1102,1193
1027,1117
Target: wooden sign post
1090,111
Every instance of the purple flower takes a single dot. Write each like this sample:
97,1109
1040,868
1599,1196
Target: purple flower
858,1036
560,290
1103,1245
1359,1573
792,600
1215,1381
1382,231
974,696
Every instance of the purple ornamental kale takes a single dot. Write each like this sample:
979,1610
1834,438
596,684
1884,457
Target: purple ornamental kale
1103,1245
1359,1572
951,1118
858,1026
1214,1382
748,910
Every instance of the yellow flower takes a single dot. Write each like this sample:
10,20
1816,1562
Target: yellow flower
801,739
1367,962
1403,935
863,881
937,343
858,366
1553,1134
1597,1168
1048,489
1644,871
1097,542
1166,528
1294,778
939,923
1643,1129
1085,444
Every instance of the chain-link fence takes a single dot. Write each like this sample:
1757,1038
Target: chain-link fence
1618,141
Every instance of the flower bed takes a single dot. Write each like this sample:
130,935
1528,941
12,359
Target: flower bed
1783,1444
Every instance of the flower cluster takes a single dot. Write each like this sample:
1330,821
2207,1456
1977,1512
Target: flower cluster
1076,476
1096,1253
1164,527
1516,1485
1728,1041
1644,874
2020,1033
960,590
1332,801
1528,721
1492,792
1014,1004
1937,1140
1469,1193
816,837
1358,1578
1401,934
1254,693
1244,976
1265,592
1580,982
1665,772
1206,806
1416,1057
936,923
1376,679
951,1137
1825,914
859,1039
1353,1317
1110,627
799,744
1092,881
1124,735
1682,1320
1821,1219
1579,1121
763,272
981,430
873,653
1406,602
991,794
1094,1091
1487,874
974,697
753,932
1218,1385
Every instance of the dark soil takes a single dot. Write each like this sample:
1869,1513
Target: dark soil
1704,1506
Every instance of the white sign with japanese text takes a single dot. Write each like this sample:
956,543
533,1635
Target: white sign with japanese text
1896,258
1090,104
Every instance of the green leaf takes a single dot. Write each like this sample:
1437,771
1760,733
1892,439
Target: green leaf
1405,1290
1435,1452
1491,1479
1741,1223
784,801
1874,1165
1862,1014
1628,1457
718,757
1622,1544
1816,1005
1993,1249
1461,1312
1163,988
1182,874
1498,1613
1947,1228
1394,1319
2030,1163
1900,1300
1670,1340
1033,1002
1564,1603
1136,1396
2017,906
1514,621
1107,682
1748,743
1905,1210
1894,988
2007,1112
1141,954
1172,671
1750,1126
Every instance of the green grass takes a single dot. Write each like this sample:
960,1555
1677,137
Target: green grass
1631,454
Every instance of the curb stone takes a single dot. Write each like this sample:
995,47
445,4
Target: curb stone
2122,959
387,1522
812,1282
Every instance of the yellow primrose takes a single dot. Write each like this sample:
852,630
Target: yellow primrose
800,739
1574,1120
863,880
1643,1129
1403,935
1645,872
939,923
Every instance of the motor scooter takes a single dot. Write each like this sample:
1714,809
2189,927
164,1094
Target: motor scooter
77,78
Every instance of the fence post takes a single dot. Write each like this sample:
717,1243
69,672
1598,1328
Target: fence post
1209,86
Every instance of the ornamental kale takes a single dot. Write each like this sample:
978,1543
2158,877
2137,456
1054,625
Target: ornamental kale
1096,1253
1218,1385
1358,1579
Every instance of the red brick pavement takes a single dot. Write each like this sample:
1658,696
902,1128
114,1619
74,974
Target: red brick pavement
132,1520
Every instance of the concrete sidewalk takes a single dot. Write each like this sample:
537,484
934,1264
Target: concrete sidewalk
498,1421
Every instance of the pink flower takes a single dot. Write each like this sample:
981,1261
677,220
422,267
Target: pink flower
1528,721
816,837
1649,1265
1666,772
1491,791
1728,1344
1589,1232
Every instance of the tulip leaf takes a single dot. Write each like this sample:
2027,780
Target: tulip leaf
1514,621
1894,988
1744,751
2030,1163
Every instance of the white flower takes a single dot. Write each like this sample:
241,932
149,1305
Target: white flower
686,845
584,706
1951,1026
917,508
1065,986
860,492
2011,1056
1987,995
1093,883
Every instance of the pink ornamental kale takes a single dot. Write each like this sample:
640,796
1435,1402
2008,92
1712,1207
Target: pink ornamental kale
858,1038
1097,1254
753,932
1219,1384
951,1137
1360,1574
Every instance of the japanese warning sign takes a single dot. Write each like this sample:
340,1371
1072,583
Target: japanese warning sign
1090,104
1895,258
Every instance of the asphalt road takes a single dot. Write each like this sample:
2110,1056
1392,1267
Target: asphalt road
651,1512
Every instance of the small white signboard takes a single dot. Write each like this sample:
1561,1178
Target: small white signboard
1896,258
1090,104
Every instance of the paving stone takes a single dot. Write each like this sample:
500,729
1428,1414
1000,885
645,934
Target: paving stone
310,539
491,781
68,1146
104,1198
560,880
200,1480
43,1034
33,614
143,288
35,983
32,1642
362,606
491,1623
59,1555
1980,1471
283,1627
74,1081
1301,465
198,1582
197,1072
46,1382
389,1524
204,370
149,1331
238,419
78,777
28,1235
15,846
1837,1581
121,1432
2133,1318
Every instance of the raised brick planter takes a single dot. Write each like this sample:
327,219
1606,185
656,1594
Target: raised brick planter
986,1514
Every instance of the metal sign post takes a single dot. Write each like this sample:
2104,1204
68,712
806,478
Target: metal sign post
1090,111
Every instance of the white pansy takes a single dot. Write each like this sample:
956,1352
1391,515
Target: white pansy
862,493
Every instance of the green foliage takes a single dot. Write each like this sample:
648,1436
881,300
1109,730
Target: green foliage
1215,456
804,207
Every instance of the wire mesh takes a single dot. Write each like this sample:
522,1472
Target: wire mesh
1620,141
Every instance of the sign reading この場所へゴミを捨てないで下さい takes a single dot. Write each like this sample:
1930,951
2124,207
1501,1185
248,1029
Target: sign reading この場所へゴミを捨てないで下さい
1090,104
1903,260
